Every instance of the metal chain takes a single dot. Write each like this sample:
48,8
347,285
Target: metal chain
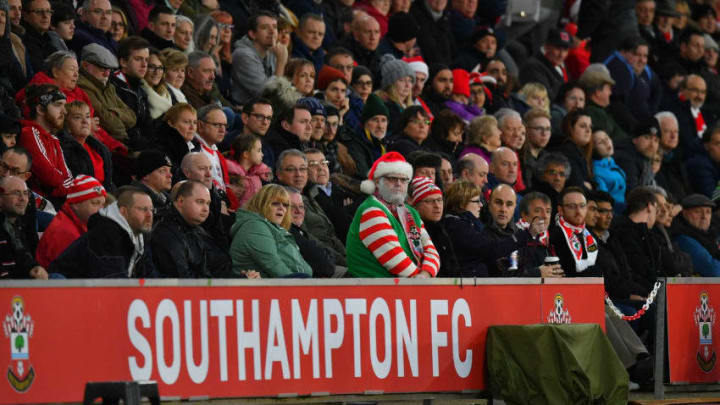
641,311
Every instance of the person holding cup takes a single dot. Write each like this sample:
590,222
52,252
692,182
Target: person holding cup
537,258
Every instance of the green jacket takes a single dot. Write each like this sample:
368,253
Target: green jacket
258,244
115,116
602,119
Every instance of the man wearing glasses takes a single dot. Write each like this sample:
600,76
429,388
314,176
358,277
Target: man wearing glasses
387,237
292,171
16,252
576,247
94,26
212,127
36,20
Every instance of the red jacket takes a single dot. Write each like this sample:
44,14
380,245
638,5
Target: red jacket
62,231
50,174
72,95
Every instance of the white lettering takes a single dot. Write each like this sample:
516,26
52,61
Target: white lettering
380,308
248,340
356,307
275,352
167,309
305,334
222,309
438,339
461,308
197,373
138,309
406,339
333,340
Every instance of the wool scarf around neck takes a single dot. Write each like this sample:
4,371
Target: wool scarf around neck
582,244
543,238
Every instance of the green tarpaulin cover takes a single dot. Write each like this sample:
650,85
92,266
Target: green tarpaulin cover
554,364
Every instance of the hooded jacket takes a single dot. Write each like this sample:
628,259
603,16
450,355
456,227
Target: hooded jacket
109,249
249,70
258,244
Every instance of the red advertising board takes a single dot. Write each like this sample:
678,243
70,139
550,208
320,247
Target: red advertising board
692,330
260,339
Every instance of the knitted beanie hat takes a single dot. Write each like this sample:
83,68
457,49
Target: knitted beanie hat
374,106
461,82
392,70
389,163
417,64
150,160
422,188
315,106
402,27
329,74
84,188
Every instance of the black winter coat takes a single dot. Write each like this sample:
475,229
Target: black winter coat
279,140
567,262
641,249
434,38
79,162
539,69
17,255
104,251
449,266
180,251
633,163
38,46
579,170
132,94
320,258
172,143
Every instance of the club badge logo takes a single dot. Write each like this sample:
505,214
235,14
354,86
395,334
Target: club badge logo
705,319
18,327
559,314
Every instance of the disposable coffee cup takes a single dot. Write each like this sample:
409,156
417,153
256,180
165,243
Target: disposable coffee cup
552,260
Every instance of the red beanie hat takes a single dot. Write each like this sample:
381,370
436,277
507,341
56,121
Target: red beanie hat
329,74
422,188
84,188
461,82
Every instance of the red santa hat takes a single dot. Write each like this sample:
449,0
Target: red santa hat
417,64
389,163
422,188
84,188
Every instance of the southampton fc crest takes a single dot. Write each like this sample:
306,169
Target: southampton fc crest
559,314
704,319
18,329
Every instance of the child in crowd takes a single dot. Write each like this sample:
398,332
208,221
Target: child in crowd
247,171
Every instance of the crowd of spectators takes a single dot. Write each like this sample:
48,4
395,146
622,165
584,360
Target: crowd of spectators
360,138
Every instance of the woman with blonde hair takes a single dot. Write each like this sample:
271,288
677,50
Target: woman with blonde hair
483,137
463,202
175,64
260,237
176,131
118,24
154,85
396,87
536,96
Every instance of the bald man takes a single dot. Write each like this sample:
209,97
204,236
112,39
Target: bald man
473,168
503,167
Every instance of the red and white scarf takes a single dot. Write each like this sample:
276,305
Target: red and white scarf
412,230
581,242
543,238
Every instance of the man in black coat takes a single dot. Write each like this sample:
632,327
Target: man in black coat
153,175
181,247
17,253
161,28
548,68
673,175
692,115
634,155
321,258
114,245
36,18
292,132
133,54
435,38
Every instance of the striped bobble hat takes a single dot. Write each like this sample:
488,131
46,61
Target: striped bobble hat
422,188
84,188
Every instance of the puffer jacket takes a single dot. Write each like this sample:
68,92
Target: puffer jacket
179,249
258,244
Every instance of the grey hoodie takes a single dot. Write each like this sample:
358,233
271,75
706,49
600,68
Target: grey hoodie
250,72
113,212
